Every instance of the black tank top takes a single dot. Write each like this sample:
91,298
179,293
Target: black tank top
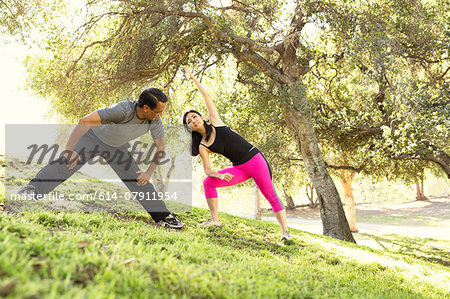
232,145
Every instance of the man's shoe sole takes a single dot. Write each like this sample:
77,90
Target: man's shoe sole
164,224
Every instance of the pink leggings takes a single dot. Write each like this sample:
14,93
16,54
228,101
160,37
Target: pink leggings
256,168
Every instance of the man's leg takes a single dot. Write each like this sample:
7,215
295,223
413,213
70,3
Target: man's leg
126,168
56,172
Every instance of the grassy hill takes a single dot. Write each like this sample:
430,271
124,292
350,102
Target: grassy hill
100,255
108,255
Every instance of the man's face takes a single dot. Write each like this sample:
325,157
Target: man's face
153,114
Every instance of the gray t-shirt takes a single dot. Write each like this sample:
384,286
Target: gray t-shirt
120,124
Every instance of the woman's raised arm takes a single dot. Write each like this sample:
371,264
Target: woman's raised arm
214,117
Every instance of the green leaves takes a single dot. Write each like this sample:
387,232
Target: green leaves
369,65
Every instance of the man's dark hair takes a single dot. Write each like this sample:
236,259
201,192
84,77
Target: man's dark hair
151,97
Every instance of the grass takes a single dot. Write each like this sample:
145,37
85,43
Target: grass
104,255
110,255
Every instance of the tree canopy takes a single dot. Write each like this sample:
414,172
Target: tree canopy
372,81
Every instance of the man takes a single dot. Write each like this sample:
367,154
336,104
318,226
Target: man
106,133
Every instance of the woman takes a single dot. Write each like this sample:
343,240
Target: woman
248,162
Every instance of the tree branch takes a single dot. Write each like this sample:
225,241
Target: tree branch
246,10
136,32
426,157
253,45
337,167
366,131
445,73
265,66
13,16
75,62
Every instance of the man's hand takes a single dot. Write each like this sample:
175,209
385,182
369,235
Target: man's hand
143,178
72,159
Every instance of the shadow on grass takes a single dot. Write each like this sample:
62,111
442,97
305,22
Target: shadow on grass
236,233
430,250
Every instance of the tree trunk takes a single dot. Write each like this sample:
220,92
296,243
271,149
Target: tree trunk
300,123
289,201
169,174
349,206
161,184
419,187
299,120
311,197
257,203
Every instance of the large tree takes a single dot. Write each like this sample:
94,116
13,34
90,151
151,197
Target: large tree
123,45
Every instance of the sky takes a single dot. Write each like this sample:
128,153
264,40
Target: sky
19,105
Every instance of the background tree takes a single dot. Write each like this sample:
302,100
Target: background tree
379,88
386,80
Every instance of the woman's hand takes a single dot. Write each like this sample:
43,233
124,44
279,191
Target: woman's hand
226,176
188,73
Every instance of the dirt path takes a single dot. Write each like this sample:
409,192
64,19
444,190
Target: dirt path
436,207
421,219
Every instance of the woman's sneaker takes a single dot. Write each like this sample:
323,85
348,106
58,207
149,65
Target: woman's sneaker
285,235
172,221
210,222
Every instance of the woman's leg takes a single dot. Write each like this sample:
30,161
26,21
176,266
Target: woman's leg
213,205
211,184
260,171
281,217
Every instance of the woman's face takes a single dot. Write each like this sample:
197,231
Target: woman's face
194,121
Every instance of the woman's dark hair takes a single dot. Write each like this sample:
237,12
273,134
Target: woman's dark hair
151,97
196,136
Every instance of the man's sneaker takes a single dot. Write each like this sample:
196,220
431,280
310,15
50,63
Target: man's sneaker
285,235
210,222
27,190
172,221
